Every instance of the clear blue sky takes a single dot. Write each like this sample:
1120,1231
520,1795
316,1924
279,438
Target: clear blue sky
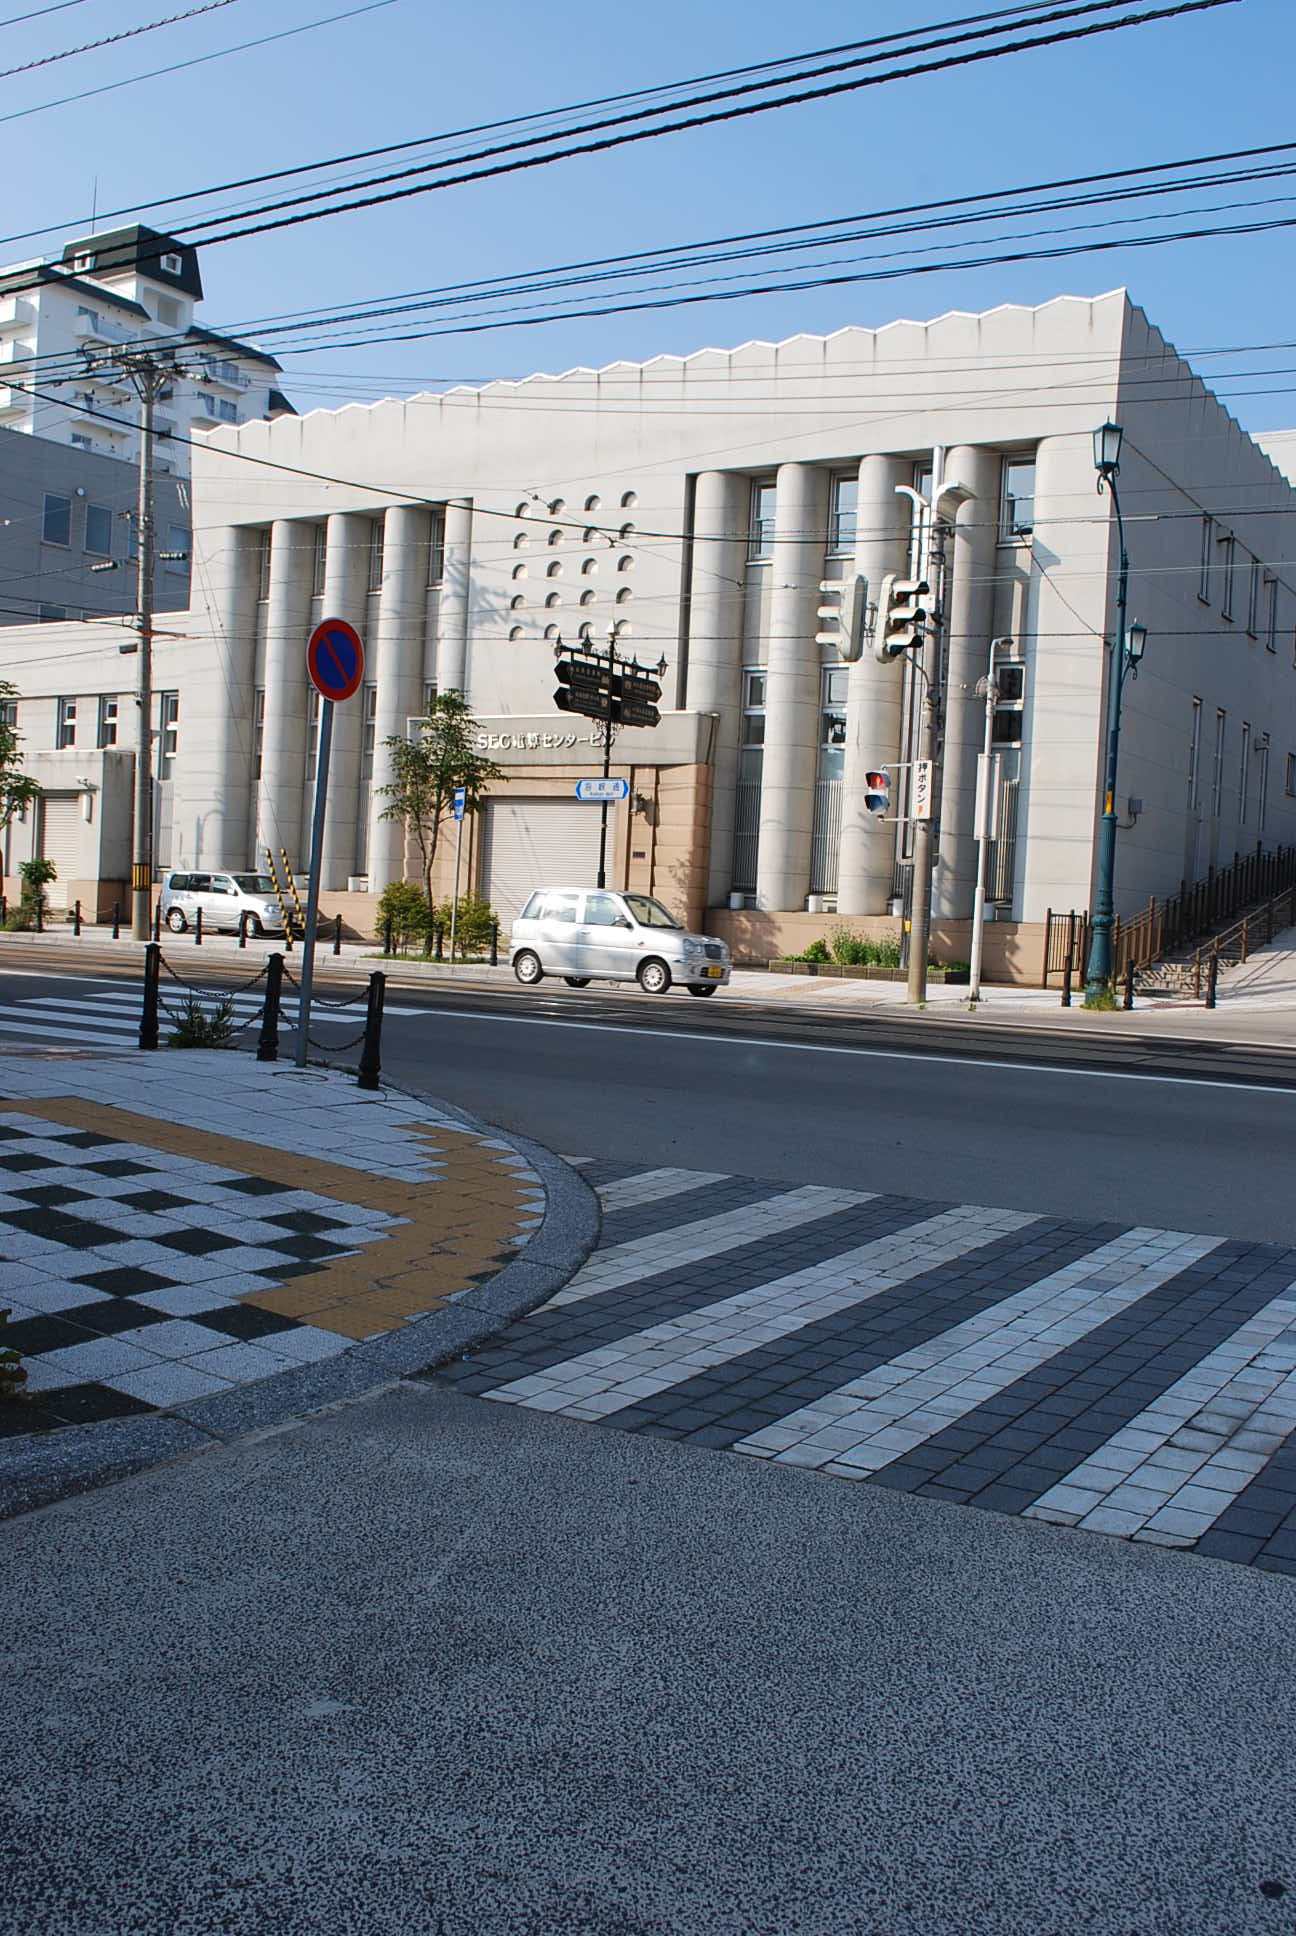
1195,85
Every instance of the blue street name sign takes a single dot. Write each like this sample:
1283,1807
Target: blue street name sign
602,789
460,801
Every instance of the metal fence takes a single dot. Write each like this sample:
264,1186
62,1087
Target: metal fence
746,835
825,839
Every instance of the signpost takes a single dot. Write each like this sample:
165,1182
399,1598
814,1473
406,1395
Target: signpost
335,663
458,804
617,691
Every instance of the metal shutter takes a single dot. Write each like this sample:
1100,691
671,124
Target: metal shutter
61,842
537,843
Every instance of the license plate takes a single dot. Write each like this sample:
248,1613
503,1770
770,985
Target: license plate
713,973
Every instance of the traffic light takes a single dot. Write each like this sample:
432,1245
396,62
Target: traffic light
877,792
904,618
846,612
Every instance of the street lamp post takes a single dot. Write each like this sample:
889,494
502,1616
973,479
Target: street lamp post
1127,651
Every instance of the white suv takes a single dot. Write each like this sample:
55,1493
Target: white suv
596,934
224,899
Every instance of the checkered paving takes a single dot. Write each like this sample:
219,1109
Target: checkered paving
1135,1382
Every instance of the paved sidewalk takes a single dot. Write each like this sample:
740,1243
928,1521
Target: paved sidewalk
196,1242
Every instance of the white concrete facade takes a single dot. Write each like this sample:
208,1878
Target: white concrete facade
480,524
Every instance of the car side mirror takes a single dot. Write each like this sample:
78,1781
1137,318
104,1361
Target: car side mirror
621,922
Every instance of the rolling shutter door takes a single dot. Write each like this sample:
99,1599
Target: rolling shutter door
537,843
61,842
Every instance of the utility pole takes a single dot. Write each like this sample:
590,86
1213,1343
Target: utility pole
986,816
150,373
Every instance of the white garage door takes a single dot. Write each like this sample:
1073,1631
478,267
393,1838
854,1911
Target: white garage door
61,842
537,843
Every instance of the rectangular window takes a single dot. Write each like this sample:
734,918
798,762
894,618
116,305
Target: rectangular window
209,403
177,546
1262,790
832,722
436,550
9,714
52,614
258,730
1207,558
1244,772
98,530
845,509
1225,543
56,525
1217,775
66,731
263,564
368,728
1017,515
107,719
312,733
376,555
1194,757
1291,776
1253,598
81,442
761,542
169,714
751,754
1271,613
429,697
319,555
227,410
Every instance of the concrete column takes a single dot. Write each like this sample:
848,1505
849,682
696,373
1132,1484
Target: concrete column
720,513
874,702
969,615
346,579
456,586
283,747
397,668
792,689
213,819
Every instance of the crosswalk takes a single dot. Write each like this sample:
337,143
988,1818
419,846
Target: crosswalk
1136,1382
107,1016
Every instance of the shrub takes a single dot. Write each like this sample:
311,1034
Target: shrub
852,951
21,917
473,925
196,1029
404,903
13,1375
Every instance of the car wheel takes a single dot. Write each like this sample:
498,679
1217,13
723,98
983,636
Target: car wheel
702,988
654,976
254,926
526,966
577,981
176,921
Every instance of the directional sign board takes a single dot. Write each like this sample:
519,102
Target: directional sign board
602,789
335,659
460,800
922,790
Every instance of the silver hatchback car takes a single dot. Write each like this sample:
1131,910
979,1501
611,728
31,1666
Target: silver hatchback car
596,934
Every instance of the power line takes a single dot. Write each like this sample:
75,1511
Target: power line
61,6
111,40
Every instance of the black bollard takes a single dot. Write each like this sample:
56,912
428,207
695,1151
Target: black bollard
1129,985
243,929
337,935
157,921
148,1029
370,1060
387,935
1212,977
440,937
40,911
4,910
116,934
76,919
198,928
268,1046
494,953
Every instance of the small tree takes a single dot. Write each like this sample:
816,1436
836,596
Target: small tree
428,770
17,789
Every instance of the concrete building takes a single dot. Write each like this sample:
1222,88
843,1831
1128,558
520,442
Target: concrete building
696,503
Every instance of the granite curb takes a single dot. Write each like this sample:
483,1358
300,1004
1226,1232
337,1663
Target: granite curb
78,1458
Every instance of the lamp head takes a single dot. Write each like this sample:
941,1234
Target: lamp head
1135,642
1107,441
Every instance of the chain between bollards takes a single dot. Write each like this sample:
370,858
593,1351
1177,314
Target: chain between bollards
268,1045
370,1060
148,1029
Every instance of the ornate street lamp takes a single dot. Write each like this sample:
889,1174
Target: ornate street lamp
1130,645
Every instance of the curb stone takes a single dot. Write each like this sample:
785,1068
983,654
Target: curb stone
51,1466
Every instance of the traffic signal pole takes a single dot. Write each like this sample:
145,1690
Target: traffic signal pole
928,668
607,764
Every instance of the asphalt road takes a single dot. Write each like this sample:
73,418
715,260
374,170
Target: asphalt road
434,1666
1182,1136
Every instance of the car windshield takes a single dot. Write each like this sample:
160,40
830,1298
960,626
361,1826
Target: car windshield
649,913
254,883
